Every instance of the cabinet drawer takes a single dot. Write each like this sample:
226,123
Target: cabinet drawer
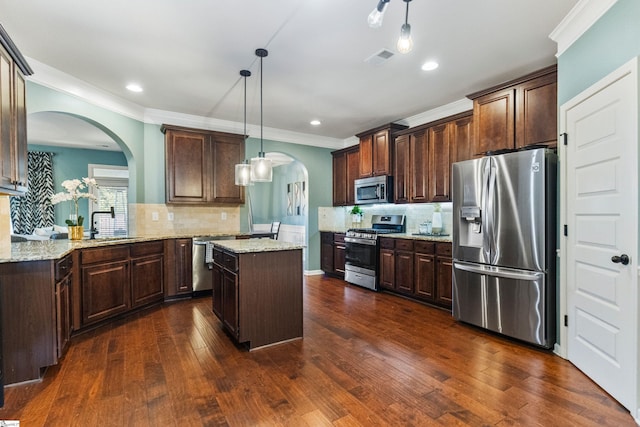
387,243
111,253
443,249
338,237
326,237
63,267
147,248
404,245
425,247
230,261
218,255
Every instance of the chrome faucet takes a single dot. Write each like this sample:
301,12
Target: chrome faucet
93,231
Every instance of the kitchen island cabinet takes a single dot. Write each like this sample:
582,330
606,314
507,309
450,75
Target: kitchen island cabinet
257,290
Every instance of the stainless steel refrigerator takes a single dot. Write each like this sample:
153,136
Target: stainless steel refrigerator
504,244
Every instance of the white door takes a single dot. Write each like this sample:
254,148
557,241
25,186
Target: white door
601,214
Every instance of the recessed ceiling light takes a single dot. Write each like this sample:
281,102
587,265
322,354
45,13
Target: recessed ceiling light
315,122
429,66
134,87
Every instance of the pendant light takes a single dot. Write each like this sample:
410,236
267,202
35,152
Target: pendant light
405,43
375,17
243,170
261,168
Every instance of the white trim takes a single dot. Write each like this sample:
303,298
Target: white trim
455,107
313,272
579,19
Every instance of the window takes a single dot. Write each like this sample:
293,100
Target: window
113,183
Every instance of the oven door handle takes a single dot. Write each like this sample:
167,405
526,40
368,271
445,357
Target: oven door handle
369,242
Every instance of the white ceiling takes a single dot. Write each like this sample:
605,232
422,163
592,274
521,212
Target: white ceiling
187,55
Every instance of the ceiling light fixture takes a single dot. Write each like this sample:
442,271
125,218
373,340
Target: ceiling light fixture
429,66
315,123
376,15
134,87
243,170
261,167
405,43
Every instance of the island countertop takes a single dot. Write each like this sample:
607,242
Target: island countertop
255,245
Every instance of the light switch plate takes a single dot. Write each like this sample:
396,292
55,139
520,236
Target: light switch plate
223,216
154,216
170,216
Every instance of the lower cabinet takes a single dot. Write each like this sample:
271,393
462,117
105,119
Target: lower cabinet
178,268
63,278
417,269
257,304
117,279
332,253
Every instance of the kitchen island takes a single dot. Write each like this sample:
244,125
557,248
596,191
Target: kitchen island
257,290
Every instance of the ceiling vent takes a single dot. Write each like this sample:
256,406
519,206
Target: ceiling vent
379,57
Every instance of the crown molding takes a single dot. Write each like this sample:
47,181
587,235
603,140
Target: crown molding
455,107
579,19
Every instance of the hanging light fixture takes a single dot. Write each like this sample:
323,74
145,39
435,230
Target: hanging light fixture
261,168
243,170
405,43
376,15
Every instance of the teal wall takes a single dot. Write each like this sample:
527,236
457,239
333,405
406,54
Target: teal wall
70,163
609,43
319,165
143,147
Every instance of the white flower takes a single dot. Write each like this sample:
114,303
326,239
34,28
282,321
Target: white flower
73,194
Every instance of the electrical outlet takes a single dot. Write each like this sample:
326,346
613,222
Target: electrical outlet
223,216
170,216
154,216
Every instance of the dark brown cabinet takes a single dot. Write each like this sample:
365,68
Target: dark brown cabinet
423,158
63,278
416,269
444,269
518,113
376,150
425,269
13,118
200,166
462,138
345,172
256,303
105,283
147,273
332,253
117,279
177,267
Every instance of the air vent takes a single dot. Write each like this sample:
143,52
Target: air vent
379,57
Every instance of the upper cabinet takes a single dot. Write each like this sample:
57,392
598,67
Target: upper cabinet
200,166
516,114
376,150
13,118
423,158
346,169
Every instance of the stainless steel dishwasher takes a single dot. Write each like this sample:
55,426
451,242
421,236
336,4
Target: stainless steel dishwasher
202,276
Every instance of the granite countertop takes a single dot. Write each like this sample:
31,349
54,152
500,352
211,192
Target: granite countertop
429,237
256,245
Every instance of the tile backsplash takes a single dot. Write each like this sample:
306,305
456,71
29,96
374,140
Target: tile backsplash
154,219
339,218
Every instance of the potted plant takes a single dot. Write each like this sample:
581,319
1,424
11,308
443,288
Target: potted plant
356,214
73,194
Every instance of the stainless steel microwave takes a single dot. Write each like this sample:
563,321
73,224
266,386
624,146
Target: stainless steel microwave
377,189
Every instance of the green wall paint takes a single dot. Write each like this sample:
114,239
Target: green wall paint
608,44
319,165
143,147
70,163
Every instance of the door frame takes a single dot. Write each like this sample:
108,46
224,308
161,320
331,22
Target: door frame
631,67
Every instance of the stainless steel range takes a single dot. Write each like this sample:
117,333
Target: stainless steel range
361,256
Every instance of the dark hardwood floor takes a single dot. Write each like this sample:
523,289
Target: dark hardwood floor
367,359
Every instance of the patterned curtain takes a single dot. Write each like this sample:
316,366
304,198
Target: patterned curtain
33,210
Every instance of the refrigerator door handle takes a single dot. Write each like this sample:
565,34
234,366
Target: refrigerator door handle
497,271
487,202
